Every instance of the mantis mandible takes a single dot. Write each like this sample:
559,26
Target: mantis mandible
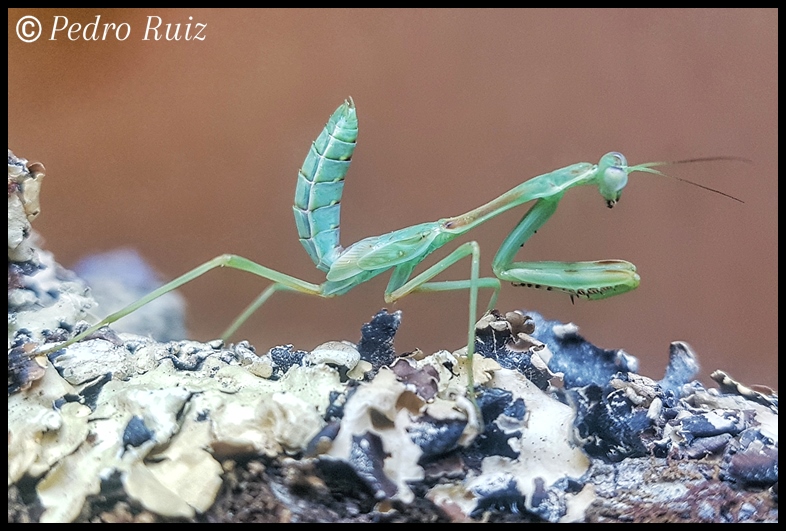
317,205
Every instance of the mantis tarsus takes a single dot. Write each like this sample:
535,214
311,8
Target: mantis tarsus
317,207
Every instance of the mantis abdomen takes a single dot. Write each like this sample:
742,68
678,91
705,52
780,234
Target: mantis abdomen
320,183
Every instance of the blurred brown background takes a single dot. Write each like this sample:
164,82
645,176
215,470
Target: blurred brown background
186,150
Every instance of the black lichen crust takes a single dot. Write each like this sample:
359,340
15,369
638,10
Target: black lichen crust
376,339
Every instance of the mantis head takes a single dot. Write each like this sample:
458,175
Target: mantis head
613,171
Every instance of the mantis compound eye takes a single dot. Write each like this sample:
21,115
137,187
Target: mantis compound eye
618,159
611,159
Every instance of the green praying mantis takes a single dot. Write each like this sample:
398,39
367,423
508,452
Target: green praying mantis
317,206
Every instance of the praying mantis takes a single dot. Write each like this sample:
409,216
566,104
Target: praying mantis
317,205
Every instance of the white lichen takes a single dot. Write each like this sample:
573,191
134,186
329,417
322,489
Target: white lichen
546,448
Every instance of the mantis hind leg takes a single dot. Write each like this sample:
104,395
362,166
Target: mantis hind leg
281,282
590,280
253,307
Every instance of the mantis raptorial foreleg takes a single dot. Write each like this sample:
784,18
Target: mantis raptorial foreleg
317,212
592,280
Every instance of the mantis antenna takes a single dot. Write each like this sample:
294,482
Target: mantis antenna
647,167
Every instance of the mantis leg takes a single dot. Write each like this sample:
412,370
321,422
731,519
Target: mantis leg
253,307
281,282
399,287
591,280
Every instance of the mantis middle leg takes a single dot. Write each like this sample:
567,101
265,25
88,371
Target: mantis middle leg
398,287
